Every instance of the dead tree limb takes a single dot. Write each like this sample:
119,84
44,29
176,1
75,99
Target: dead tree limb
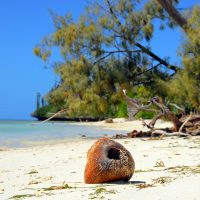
185,126
152,123
135,106
178,107
164,133
147,125
181,128
167,113
59,112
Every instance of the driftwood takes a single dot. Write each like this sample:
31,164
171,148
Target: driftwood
156,133
48,119
184,126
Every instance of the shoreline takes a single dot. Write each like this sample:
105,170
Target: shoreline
14,135
119,125
54,171
32,171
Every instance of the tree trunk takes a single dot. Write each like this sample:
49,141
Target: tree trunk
174,13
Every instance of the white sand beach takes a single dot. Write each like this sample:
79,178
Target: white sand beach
127,125
165,169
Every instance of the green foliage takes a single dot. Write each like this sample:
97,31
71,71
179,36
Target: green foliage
100,58
143,94
43,111
122,110
145,115
42,53
184,88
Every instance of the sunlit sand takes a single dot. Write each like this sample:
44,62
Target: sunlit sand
165,169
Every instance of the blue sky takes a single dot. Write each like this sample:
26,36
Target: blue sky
23,23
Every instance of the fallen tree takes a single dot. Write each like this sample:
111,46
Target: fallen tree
182,126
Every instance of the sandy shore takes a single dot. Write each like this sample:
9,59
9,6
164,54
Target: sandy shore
165,169
122,124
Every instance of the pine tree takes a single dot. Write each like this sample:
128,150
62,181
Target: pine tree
107,50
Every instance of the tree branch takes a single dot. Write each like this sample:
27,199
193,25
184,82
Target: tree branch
181,128
155,57
174,13
109,53
144,49
147,70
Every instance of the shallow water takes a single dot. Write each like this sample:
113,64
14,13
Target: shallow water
19,133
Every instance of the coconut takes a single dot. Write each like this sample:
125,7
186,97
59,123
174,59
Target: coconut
108,161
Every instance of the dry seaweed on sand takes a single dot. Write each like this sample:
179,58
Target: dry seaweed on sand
144,185
184,169
61,187
33,171
160,164
21,196
98,192
163,180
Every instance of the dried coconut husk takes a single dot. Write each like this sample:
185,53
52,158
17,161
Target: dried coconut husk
108,161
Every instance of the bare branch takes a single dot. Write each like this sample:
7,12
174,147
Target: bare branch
122,51
147,125
181,128
54,115
153,122
147,70
164,110
102,58
155,57
164,133
109,53
178,107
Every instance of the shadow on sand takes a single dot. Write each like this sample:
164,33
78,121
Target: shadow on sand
126,182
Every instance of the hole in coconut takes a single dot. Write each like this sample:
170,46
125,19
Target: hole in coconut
114,153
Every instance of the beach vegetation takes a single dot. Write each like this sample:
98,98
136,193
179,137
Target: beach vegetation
46,111
101,56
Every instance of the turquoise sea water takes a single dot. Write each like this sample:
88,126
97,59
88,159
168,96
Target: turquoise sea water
18,133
